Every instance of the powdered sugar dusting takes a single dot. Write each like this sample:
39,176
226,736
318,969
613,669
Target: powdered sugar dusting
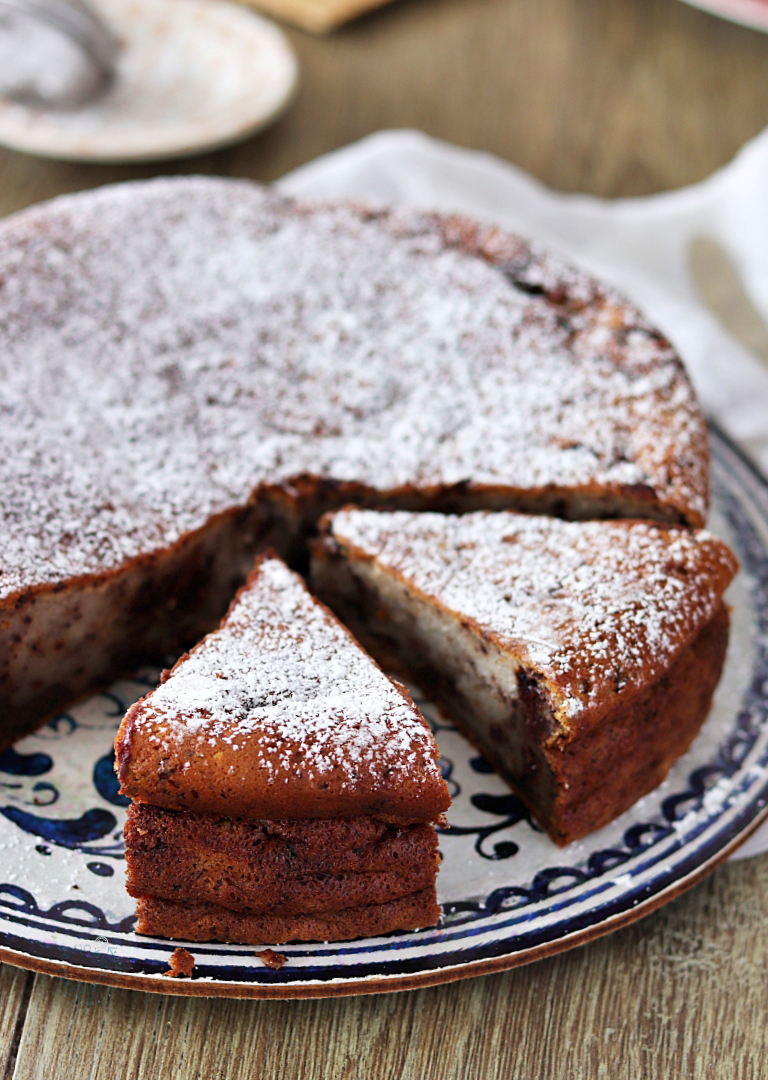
283,676
167,347
595,607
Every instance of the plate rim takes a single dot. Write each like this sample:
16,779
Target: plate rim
378,984
750,13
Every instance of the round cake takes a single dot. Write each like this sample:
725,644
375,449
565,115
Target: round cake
193,370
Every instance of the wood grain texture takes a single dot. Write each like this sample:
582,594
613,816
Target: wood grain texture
15,991
614,97
681,993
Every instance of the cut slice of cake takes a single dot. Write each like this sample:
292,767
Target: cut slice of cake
283,787
581,658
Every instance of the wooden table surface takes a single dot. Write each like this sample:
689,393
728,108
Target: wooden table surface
615,97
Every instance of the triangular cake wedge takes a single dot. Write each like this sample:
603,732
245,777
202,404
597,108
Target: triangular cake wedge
284,788
580,657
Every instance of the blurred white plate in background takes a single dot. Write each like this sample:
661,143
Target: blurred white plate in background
752,13
192,75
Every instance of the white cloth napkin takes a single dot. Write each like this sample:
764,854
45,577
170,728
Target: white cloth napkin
641,245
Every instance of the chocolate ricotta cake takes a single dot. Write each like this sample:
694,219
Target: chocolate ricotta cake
580,657
283,787
193,370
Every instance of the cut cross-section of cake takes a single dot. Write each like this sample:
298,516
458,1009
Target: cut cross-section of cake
283,787
580,657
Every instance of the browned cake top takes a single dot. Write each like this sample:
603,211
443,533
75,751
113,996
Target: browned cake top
595,608
166,347
281,714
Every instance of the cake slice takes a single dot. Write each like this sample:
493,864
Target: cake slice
580,657
283,787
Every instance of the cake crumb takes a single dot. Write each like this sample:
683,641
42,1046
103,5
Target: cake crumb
181,962
272,959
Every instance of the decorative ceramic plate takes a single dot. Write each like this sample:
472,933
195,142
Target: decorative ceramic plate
509,895
752,13
192,75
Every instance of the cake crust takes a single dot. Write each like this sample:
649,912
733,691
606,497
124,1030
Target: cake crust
280,714
207,922
618,762
278,867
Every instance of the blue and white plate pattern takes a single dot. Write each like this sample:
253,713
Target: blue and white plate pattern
509,895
